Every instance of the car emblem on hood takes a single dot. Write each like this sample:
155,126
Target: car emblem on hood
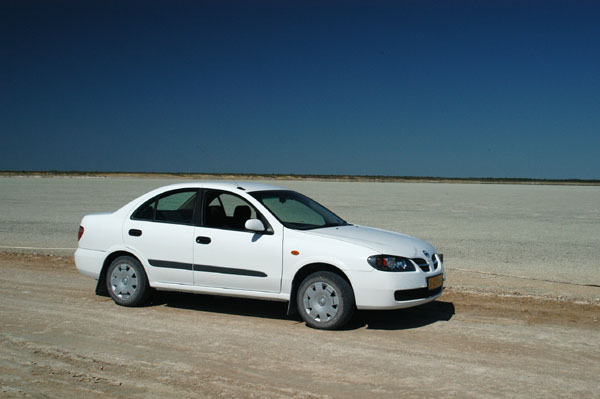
426,254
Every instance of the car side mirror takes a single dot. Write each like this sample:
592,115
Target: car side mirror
254,225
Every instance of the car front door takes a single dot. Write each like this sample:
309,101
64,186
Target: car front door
226,255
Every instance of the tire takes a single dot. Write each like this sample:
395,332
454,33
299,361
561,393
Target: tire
325,301
126,282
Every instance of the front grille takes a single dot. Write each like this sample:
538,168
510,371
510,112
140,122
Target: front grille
422,263
419,293
434,258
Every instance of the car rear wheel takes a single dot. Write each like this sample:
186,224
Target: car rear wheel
325,301
126,282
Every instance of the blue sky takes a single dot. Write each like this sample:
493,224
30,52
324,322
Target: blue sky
408,88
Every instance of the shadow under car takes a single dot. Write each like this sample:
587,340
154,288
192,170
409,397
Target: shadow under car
400,319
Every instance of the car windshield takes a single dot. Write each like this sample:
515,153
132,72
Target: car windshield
297,211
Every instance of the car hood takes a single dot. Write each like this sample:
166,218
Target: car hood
380,241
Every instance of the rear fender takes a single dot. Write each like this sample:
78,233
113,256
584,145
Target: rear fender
101,288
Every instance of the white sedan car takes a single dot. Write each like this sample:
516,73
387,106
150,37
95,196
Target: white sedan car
257,241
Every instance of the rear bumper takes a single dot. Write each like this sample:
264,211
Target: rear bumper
89,262
388,290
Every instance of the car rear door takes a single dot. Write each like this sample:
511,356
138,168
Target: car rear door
162,232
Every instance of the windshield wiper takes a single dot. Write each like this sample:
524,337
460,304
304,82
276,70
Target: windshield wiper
332,225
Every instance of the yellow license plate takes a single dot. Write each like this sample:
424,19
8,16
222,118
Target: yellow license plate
434,282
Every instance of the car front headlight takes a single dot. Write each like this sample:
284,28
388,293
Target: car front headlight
389,263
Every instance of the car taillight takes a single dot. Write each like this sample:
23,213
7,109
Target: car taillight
80,233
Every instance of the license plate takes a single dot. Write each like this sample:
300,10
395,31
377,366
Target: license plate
434,282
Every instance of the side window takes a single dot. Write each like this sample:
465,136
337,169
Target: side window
146,211
173,207
227,211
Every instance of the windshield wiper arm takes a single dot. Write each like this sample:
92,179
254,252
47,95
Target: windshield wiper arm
332,225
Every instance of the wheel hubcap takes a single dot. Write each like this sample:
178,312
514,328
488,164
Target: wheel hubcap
123,281
321,302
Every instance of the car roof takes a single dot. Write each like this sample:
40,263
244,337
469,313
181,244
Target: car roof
228,185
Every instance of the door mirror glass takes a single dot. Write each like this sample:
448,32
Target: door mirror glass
254,225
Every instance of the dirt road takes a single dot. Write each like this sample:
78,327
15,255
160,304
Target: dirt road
59,340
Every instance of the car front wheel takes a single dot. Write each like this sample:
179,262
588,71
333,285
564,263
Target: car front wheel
325,301
127,282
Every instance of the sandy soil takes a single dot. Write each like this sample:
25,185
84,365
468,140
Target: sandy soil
60,340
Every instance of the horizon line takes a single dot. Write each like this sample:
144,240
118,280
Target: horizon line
309,176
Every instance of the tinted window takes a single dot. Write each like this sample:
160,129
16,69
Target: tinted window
293,211
227,211
146,211
173,207
297,211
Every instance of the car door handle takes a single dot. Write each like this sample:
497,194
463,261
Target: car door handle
135,232
203,240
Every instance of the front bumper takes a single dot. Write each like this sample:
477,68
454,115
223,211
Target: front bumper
392,290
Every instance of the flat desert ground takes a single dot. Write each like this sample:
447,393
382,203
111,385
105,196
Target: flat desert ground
519,317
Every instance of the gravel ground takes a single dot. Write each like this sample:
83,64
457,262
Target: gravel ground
519,317
59,340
